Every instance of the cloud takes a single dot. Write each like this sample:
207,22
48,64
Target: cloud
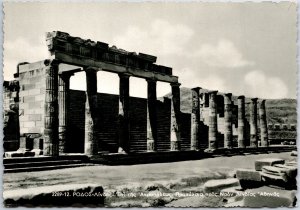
20,50
190,79
161,38
223,55
257,84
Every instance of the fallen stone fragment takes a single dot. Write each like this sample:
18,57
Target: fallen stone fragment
291,163
270,197
267,162
249,178
290,171
219,184
56,195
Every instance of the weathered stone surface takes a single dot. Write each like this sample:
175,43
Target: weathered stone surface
291,163
294,153
270,197
37,152
57,195
249,178
219,184
267,162
248,174
151,116
279,169
227,121
263,124
241,122
175,118
213,121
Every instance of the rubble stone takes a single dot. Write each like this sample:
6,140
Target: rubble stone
270,197
267,162
219,184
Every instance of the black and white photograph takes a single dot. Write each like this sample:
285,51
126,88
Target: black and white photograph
150,104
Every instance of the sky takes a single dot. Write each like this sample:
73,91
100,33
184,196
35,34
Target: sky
243,48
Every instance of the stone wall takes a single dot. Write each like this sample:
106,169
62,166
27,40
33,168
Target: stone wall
108,123
32,97
11,113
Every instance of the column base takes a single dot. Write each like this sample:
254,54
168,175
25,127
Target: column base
213,145
151,146
175,146
121,151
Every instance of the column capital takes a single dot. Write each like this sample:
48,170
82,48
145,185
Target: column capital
177,84
124,75
213,92
254,99
241,97
151,80
91,69
65,75
197,89
52,62
228,94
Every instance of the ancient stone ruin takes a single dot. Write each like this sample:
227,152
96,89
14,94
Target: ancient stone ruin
56,120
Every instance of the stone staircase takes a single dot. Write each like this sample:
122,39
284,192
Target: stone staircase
28,164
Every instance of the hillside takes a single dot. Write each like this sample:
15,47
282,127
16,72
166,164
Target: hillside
278,110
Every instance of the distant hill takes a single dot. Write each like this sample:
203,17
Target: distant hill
278,110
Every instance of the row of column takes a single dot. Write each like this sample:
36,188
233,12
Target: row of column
213,121
57,101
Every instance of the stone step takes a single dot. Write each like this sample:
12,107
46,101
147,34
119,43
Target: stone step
43,163
44,168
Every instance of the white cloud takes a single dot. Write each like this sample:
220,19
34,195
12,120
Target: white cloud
223,55
257,84
161,38
21,50
190,79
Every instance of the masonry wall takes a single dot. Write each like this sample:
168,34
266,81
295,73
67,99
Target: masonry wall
106,130
32,97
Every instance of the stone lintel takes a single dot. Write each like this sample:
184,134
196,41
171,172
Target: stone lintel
86,62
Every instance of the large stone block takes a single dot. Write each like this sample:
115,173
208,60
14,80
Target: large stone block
290,171
35,117
56,196
219,184
270,197
249,178
29,124
267,162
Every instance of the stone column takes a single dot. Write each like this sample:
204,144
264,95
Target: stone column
227,121
253,123
263,124
51,108
151,116
90,140
213,121
124,130
64,102
175,117
241,122
195,119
